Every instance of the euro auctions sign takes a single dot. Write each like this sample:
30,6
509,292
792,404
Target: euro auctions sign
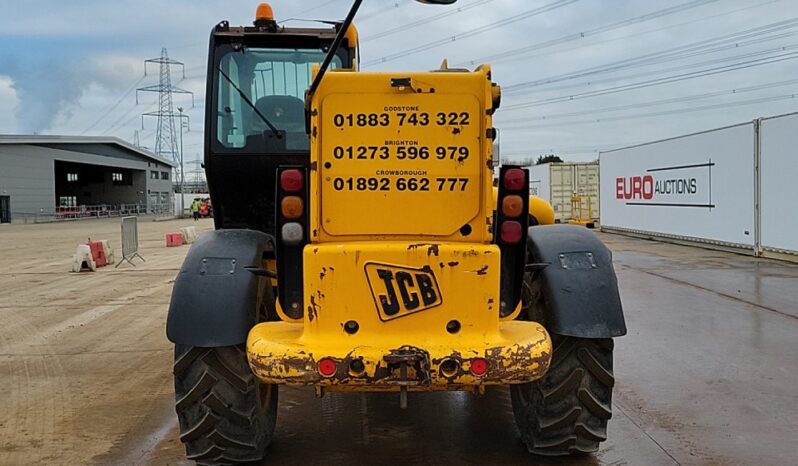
698,186
673,186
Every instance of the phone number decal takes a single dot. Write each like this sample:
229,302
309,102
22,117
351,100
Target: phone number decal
383,119
412,184
401,152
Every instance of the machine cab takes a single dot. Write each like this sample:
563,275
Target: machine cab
255,118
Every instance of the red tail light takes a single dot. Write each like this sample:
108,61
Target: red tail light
327,367
479,366
292,180
514,179
511,231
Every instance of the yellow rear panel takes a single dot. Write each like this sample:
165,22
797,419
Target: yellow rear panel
399,161
400,281
342,283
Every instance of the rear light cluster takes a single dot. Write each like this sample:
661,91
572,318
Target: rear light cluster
510,234
292,235
511,215
292,206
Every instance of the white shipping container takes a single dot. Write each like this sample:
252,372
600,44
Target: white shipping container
557,182
698,187
779,172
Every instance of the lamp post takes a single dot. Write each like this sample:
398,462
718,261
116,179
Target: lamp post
180,181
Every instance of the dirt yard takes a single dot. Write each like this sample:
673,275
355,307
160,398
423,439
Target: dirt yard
706,375
84,361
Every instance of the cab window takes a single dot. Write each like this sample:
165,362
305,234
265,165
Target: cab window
274,80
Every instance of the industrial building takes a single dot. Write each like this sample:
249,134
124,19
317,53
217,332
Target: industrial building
58,177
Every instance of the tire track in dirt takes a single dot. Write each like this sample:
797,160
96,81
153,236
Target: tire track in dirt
38,389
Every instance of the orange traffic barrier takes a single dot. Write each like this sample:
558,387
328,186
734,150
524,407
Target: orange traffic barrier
174,239
98,253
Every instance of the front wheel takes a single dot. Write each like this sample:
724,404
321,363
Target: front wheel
226,415
566,411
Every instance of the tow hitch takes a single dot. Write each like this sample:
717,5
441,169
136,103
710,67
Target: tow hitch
408,366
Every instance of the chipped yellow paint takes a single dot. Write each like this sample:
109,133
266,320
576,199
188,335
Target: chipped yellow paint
338,290
401,281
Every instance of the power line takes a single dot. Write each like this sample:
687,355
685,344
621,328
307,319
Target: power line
627,37
113,106
653,103
658,81
308,10
717,44
661,71
586,149
426,20
368,16
494,58
473,32
661,113
116,124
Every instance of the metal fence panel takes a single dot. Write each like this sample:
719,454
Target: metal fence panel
130,240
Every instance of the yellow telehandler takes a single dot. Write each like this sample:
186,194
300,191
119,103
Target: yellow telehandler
363,243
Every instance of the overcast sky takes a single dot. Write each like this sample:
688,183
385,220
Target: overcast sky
579,75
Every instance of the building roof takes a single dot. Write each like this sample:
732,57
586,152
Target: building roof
83,140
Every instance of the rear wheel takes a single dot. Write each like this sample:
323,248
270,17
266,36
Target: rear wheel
566,411
226,415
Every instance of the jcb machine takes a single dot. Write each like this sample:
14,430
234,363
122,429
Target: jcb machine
361,246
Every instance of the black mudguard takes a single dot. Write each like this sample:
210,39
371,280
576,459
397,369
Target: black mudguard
214,301
579,284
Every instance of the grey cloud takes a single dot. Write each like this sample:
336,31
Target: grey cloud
47,91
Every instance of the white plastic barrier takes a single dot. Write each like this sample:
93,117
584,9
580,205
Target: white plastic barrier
83,259
189,234
108,251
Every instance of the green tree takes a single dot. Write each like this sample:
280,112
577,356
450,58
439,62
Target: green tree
548,159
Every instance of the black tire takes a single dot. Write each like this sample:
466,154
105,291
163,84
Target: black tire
566,411
226,415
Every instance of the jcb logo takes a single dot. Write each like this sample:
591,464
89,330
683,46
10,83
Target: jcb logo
399,291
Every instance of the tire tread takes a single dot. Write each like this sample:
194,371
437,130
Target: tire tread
216,400
566,412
